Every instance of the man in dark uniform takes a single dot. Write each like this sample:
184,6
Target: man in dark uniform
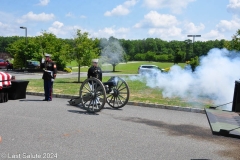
95,71
49,74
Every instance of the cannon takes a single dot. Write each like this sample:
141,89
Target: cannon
93,94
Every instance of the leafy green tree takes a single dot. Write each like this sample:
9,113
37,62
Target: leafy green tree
84,50
150,56
179,57
16,49
6,41
194,63
188,44
162,58
23,52
170,58
129,48
58,48
234,44
140,57
151,45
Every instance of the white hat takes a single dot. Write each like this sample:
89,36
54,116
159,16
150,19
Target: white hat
95,60
47,55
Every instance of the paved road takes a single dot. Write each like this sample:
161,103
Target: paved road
34,127
21,75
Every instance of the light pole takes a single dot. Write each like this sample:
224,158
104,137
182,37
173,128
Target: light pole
25,33
193,39
26,43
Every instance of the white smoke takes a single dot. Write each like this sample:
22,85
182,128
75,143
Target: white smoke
112,52
213,79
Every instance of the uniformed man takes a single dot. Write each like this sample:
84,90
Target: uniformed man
95,71
49,74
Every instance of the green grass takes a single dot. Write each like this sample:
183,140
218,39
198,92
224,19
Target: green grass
130,67
139,92
72,64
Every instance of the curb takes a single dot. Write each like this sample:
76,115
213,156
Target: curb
150,105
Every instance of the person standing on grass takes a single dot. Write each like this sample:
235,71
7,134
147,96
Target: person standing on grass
49,74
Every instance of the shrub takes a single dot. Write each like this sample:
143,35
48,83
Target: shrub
194,63
68,70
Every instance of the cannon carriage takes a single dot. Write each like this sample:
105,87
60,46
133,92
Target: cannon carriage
93,94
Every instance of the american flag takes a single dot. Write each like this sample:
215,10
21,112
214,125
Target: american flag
5,79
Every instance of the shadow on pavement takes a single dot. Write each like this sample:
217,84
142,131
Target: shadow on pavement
110,71
26,100
194,132
115,109
82,112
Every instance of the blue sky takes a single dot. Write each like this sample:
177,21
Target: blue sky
129,19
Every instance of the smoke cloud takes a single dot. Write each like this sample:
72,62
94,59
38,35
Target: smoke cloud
112,51
213,79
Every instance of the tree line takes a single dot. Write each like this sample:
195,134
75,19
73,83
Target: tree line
82,49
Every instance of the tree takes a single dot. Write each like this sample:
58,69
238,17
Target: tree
234,44
162,58
58,48
194,63
140,57
189,50
23,52
113,52
6,41
151,45
179,57
129,48
150,56
84,50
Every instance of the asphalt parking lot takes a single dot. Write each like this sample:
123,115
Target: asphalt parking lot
33,129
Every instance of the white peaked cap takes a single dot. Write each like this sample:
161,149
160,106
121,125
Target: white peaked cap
95,60
47,55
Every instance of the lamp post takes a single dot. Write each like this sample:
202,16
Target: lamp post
25,33
26,43
193,39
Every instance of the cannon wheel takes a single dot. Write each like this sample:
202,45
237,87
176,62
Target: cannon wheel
119,95
92,95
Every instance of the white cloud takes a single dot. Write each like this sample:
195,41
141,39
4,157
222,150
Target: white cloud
166,26
70,14
165,33
57,24
3,26
57,28
213,35
234,6
231,25
122,9
63,31
111,31
9,29
191,28
176,6
36,17
154,19
43,2
119,10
